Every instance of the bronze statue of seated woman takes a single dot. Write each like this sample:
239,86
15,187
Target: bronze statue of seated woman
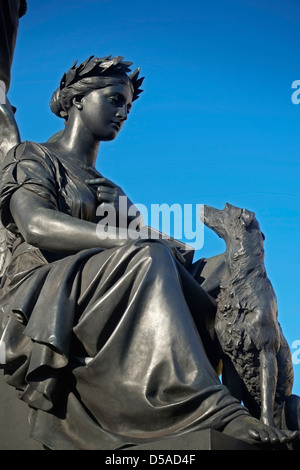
108,339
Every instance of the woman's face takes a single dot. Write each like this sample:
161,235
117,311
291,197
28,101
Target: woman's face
103,111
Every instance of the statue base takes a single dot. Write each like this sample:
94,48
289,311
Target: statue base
207,439
15,429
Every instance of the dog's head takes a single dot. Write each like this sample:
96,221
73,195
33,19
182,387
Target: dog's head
229,221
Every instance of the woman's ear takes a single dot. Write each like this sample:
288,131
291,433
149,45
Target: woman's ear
77,101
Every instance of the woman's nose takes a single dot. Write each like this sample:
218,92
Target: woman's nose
122,113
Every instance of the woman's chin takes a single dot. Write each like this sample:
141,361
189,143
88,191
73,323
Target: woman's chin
109,136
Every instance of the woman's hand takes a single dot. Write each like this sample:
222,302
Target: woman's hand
107,191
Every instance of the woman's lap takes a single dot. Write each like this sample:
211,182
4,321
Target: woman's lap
146,372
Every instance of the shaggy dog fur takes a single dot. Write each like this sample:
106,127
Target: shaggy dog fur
257,363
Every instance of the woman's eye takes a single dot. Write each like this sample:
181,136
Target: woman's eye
114,99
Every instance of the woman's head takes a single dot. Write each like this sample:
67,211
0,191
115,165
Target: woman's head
91,75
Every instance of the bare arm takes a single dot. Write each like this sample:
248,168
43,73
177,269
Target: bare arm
51,230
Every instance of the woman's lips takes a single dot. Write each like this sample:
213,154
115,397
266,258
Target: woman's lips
116,125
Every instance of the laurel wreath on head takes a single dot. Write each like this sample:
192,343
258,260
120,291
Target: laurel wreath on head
94,66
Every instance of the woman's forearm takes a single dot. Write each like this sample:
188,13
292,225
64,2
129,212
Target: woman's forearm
52,230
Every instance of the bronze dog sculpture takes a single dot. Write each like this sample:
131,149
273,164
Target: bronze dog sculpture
257,363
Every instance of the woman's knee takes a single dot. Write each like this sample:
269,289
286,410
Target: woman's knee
156,249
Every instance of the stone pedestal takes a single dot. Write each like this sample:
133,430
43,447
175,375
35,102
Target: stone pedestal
14,424
208,439
15,428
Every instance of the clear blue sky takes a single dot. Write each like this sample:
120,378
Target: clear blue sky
215,124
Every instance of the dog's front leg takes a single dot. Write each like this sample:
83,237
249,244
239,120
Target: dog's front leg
268,382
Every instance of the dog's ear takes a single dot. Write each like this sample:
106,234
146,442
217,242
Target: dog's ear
247,217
